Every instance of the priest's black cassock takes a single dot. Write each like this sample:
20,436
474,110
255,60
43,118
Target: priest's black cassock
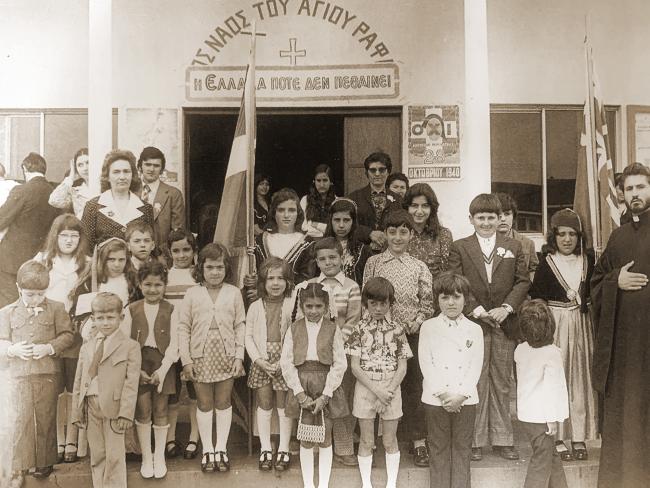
622,358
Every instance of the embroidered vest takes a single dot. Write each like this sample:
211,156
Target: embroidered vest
140,326
324,342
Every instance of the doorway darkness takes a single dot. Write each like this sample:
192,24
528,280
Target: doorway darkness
289,147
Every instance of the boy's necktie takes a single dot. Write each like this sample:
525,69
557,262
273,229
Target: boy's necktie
99,352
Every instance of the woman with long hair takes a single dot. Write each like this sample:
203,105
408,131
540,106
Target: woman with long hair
317,202
74,191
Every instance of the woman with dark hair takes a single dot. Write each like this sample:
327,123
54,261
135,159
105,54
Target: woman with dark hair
431,241
74,191
317,202
562,279
262,201
343,224
283,239
108,214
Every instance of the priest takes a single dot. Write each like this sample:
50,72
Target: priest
621,300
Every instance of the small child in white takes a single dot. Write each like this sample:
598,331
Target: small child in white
542,398
451,356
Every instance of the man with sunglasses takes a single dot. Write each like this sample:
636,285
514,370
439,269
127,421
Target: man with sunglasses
374,200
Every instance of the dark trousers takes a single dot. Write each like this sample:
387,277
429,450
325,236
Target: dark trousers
8,290
450,445
544,470
413,419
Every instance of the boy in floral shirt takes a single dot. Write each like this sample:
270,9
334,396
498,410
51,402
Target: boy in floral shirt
379,350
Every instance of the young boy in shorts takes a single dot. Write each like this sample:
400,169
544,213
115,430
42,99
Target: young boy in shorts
379,351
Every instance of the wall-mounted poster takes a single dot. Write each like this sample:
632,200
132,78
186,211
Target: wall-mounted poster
433,143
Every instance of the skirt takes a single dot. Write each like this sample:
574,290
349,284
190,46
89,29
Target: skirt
215,365
574,336
313,376
259,378
151,361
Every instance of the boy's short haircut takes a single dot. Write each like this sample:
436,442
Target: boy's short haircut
378,288
274,262
329,243
33,275
485,203
449,283
398,218
152,268
508,204
536,323
106,302
397,177
139,226
180,234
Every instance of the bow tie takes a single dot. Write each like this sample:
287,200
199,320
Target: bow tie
35,310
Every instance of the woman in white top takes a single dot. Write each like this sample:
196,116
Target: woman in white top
74,190
316,204
562,279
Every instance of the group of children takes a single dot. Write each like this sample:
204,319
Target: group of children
323,352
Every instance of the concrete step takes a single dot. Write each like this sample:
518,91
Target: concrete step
491,472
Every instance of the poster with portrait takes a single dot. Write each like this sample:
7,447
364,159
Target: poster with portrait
433,143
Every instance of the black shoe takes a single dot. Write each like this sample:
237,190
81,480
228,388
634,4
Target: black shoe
421,457
579,451
221,462
347,460
42,473
266,461
70,457
207,462
132,457
507,452
191,453
282,461
477,454
563,451
172,449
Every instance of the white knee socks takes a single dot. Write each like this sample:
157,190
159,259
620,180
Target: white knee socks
286,424
264,428
307,466
204,422
392,468
144,436
224,419
324,466
160,438
365,468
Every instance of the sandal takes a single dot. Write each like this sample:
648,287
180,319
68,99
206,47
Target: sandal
221,462
282,461
60,453
563,451
266,461
579,451
207,462
172,449
191,453
70,456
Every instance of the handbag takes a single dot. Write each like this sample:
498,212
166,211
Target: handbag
311,433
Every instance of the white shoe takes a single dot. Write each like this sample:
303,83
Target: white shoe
146,470
159,469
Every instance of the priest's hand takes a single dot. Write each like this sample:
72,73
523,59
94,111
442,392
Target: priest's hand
630,281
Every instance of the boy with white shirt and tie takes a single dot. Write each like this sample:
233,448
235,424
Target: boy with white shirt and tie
450,353
495,267
106,390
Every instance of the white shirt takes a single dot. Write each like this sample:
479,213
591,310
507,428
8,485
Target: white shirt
151,312
119,286
487,247
312,335
541,385
63,277
280,244
450,353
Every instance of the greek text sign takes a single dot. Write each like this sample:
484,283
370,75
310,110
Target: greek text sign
333,82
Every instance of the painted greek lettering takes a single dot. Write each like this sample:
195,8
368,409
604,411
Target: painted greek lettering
232,24
348,18
284,5
198,85
380,50
242,83
261,84
304,6
369,40
272,7
209,82
222,33
214,43
258,6
362,28
335,16
243,22
327,9
205,56
317,3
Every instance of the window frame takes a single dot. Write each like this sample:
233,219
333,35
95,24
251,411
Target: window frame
6,116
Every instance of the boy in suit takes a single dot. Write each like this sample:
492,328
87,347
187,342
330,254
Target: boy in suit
495,266
106,390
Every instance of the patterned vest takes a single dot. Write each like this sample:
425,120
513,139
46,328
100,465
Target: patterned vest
140,326
324,342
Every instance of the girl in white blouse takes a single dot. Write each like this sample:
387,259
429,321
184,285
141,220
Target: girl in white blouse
74,190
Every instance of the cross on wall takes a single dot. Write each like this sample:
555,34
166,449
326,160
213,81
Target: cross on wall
292,53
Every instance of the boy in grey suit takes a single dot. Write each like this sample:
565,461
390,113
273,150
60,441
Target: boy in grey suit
495,266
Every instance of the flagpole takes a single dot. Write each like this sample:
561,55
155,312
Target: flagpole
251,128
590,135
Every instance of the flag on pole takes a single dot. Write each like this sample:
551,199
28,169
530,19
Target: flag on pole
595,195
235,222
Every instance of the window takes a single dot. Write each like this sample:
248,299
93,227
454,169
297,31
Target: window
19,135
534,154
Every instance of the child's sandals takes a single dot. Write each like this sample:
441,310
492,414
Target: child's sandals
190,453
563,451
172,449
221,462
70,455
207,462
266,461
282,461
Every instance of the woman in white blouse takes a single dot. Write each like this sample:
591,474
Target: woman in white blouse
74,190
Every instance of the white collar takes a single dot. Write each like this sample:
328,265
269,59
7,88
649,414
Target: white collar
313,324
29,176
131,212
65,267
452,322
340,277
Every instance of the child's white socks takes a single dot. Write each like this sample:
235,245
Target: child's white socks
365,468
160,439
144,436
392,468
264,428
307,466
204,422
324,466
224,419
286,424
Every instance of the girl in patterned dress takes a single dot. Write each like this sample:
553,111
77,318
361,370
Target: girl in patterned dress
266,323
313,364
211,330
